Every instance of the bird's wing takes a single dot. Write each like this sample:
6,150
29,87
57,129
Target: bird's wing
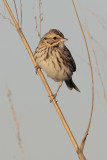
69,59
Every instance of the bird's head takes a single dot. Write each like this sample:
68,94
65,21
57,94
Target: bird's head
53,38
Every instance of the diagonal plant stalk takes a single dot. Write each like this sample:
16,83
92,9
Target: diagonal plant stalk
80,154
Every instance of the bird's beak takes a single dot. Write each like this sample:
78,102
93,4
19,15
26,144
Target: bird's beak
64,39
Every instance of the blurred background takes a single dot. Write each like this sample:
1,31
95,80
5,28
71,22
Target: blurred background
38,125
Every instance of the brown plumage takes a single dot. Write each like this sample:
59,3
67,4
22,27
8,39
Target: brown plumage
55,59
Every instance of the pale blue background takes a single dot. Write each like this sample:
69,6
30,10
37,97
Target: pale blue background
43,135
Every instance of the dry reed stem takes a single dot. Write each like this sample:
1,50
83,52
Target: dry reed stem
40,16
98,17
86,133
102,104
80,154
21,13
98,68
40,19
16,12
92,47
35,18
99,44
6,18
16,123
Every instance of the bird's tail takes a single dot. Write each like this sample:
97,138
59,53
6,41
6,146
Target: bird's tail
70,84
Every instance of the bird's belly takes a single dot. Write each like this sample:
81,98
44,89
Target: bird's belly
55,71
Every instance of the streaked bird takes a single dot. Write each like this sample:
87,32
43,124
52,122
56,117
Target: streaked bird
55,59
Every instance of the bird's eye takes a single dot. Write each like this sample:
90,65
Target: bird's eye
54,38
45,38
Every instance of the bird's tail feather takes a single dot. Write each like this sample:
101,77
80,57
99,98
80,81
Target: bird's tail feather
70,84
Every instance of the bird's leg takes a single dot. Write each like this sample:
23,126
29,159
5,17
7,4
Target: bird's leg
37,67
54,95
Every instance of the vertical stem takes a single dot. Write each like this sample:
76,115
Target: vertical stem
21,12
92,79
16,11
40,18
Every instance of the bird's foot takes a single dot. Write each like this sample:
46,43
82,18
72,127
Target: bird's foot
37,67
53,97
